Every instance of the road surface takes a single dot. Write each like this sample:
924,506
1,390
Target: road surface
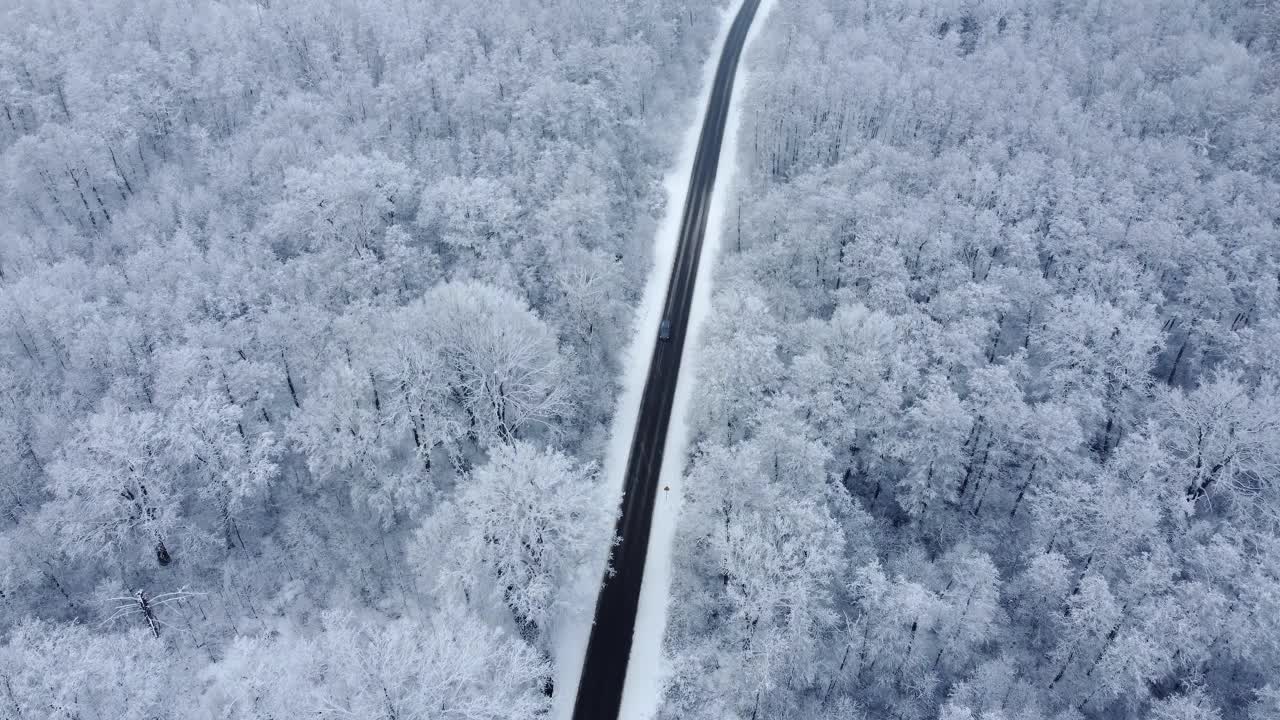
604,669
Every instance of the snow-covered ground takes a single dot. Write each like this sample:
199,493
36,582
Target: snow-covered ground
647,668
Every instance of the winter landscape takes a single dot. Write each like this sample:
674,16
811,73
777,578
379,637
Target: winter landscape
640,359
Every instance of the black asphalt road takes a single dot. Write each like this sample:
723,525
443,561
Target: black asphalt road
605,666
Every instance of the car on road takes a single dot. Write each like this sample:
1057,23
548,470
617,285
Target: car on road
664,330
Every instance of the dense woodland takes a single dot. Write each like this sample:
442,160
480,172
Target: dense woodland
309,315
309,321
988,408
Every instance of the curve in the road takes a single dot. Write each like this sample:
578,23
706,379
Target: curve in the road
609,647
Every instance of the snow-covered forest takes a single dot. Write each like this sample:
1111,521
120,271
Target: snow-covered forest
988,415
310,322
309,314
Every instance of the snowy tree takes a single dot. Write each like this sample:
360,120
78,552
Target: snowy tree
347,202
119,493
740,366
938,427
515,535
501,362
453,667
1192,706
1224,437
234,469
972,597
70,671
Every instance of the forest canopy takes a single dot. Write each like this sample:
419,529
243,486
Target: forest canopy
309,322
988,410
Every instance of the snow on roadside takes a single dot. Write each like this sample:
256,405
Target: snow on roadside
574,626
648,669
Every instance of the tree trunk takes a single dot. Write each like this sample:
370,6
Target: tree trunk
8,688
293,393
1063,671
1173,371
1023,490
162,553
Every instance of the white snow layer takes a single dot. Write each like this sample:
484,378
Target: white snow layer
647,669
